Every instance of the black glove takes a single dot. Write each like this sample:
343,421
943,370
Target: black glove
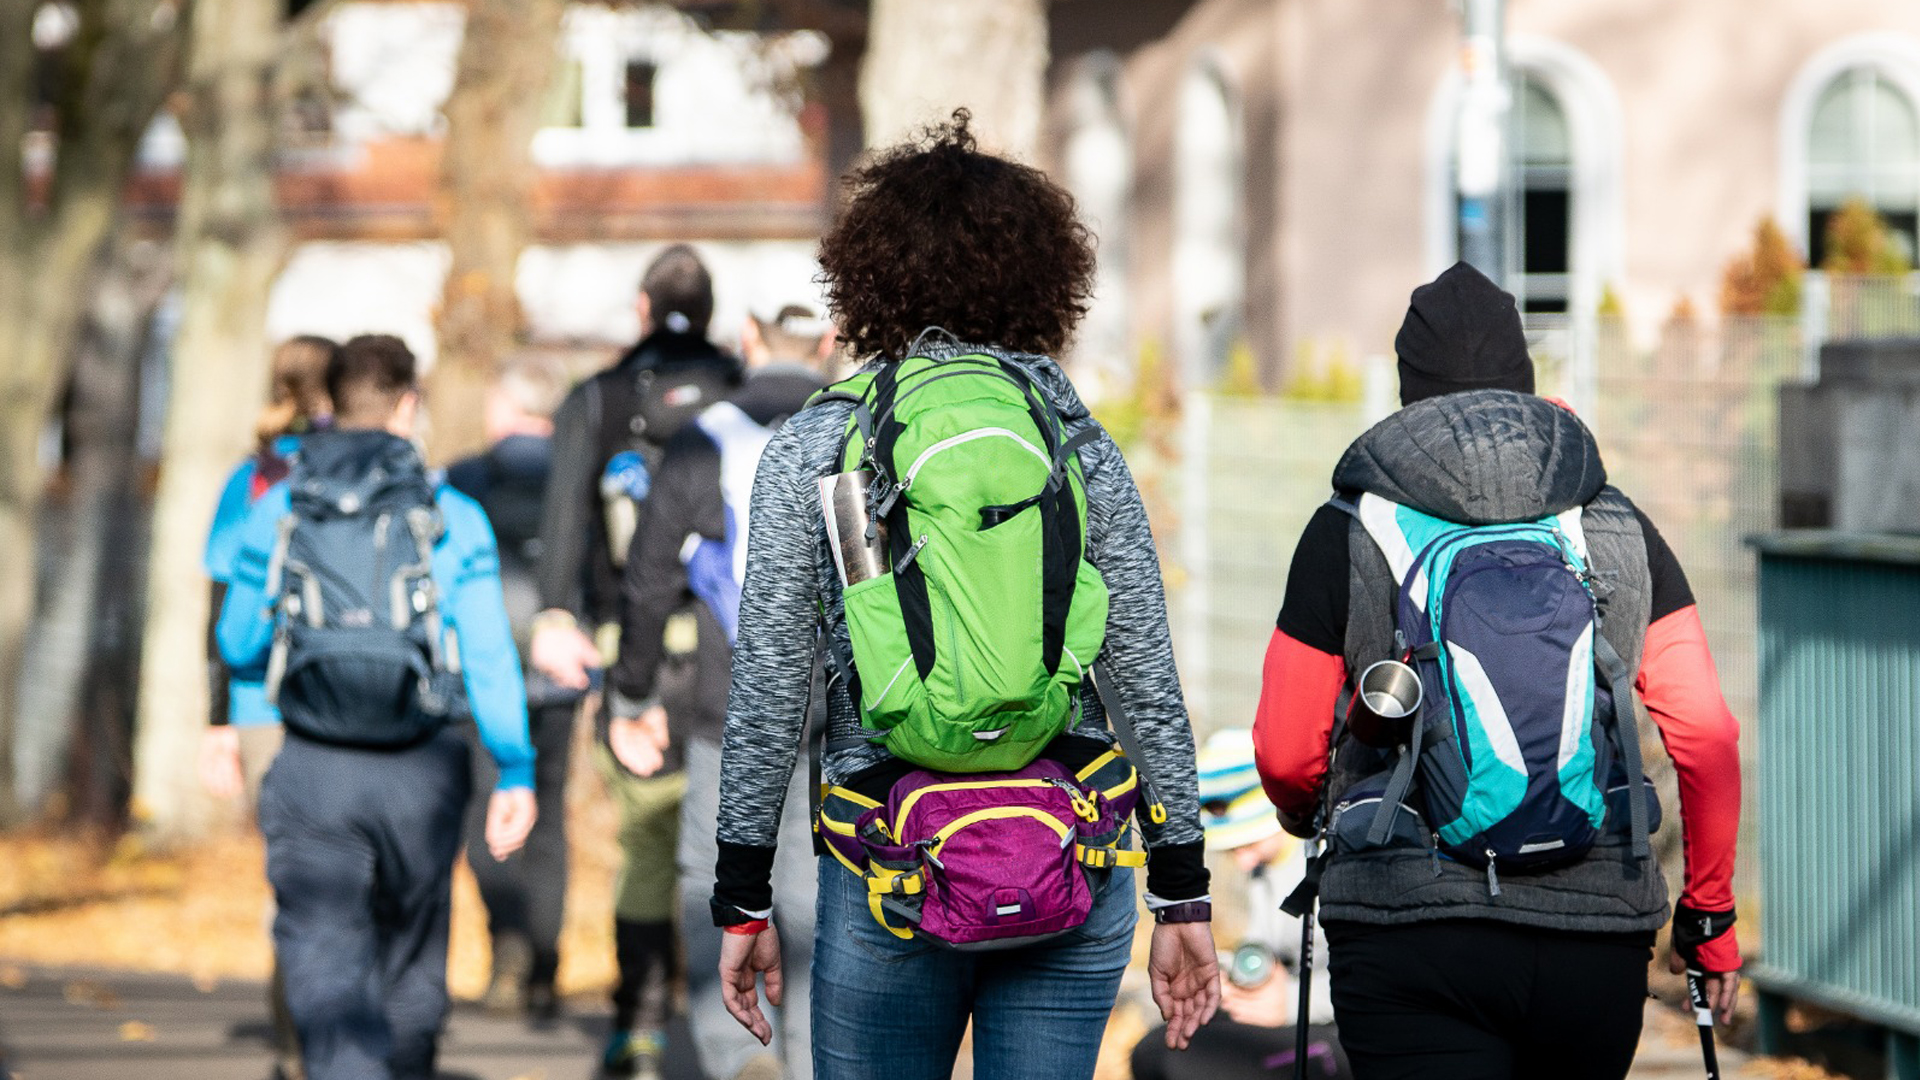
1693,928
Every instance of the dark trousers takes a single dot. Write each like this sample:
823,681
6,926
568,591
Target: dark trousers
1479,1000
360,850
526,895
1225,1050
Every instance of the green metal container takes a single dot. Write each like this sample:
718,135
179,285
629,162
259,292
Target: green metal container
1839,780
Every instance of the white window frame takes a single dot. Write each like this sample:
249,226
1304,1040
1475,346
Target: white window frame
1894,57
1597,245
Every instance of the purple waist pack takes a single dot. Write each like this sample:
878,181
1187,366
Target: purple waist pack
983,861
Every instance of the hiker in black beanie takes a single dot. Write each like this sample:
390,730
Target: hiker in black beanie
1451,959
1462,332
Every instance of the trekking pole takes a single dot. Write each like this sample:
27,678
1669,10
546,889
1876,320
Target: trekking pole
1300,904
1703,1018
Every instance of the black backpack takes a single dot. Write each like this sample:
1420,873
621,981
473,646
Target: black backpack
360,656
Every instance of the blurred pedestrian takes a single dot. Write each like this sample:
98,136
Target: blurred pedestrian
1259,983
940,234
691,545
356,585
610,434
243,728
1491,899
525,894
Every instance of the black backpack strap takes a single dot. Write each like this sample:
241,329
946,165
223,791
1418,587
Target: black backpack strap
1397,787
1626,734
1129,740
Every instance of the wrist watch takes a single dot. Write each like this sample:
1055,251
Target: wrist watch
1184,912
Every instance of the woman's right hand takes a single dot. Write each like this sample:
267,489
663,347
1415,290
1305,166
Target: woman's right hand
743,957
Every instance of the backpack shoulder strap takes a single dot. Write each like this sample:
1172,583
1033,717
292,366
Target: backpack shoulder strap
1129,740
1626,732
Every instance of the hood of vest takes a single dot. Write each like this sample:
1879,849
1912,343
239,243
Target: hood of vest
349,472
1481,457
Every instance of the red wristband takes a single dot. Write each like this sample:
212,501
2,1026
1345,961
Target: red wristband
747,929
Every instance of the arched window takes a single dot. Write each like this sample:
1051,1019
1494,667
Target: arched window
1567,232
1540,218
1208,270
1863,141
1098,163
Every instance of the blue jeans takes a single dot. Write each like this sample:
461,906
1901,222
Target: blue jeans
886,1009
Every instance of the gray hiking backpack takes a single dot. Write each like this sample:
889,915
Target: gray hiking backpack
360,657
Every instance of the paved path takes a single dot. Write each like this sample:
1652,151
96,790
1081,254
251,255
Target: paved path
96,1026
100,1026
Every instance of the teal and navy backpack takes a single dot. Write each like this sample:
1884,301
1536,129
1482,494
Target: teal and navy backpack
1522,756
968,656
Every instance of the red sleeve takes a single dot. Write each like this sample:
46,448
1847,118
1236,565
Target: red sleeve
1681,690
1299,688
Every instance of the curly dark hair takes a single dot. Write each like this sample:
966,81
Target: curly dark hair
938,233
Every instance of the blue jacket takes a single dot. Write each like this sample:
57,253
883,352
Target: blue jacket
247,703
466,569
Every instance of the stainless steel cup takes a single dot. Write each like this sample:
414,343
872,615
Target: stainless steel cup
1384,703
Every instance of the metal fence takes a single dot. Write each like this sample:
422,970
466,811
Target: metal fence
1840,733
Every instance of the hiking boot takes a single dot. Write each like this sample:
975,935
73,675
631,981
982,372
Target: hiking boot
634,1054
512,965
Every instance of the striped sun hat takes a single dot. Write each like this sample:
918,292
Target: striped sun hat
1233,808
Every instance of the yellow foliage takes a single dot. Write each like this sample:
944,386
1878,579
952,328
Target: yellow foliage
1859,242
1765,280
1324,373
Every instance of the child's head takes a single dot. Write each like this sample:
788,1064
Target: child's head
372,383
939,233
297,398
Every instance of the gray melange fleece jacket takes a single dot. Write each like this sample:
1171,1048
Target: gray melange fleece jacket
790,581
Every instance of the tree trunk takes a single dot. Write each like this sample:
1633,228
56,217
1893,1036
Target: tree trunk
925,58
229,246
507,57
109,81
81,627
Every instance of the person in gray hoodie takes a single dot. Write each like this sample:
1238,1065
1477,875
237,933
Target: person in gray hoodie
938,233
1443,968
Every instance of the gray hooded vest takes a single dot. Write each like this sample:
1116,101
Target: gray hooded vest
1487,457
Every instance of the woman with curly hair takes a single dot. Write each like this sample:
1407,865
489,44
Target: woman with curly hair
948,252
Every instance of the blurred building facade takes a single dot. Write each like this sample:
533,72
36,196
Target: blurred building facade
656,130
1276,175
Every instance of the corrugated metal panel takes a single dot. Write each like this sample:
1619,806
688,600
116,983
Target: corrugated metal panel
1839,798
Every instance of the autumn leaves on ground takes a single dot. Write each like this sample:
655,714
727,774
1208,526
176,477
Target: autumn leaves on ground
75,901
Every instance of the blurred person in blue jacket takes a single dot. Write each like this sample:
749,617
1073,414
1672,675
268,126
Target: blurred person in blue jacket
367,600
243,728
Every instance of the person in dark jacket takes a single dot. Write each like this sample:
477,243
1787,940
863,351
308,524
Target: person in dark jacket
610,434
1437,972
690,545
525,895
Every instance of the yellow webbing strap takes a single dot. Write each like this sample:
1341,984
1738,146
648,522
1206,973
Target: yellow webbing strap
1106,858
879,916
882,883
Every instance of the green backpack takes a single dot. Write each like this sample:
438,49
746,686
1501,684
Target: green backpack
969,654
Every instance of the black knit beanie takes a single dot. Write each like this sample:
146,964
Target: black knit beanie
1461,333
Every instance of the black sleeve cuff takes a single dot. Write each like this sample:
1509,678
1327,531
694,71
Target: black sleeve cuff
1693,928
743,878
1177,871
